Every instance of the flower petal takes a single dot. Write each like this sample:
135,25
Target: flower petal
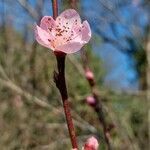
43,37
82,33
86,32
47,23
70,47
68,19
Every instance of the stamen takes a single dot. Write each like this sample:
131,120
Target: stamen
50,29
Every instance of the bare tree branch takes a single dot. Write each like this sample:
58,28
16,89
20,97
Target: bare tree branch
33,13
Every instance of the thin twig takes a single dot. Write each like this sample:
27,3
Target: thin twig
60,81
55,8
29,9
120,128
27,95
98,107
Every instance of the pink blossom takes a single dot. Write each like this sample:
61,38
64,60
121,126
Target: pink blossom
66,33
91,144
89,74
91,101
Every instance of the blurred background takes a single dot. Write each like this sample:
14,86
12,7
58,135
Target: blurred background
31,115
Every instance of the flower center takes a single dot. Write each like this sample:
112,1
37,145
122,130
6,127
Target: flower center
64,32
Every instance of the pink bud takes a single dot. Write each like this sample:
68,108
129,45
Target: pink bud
89,74
91,144
91,101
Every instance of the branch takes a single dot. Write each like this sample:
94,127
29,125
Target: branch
29,9
97,105
60,81
27,95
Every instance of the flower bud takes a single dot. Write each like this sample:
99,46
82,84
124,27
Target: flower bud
90,100
89,74
91,144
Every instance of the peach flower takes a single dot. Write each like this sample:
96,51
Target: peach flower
66,34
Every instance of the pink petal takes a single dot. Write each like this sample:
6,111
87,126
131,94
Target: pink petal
47,23
70,47
91,144
86,32
43,37
66,34
68,18
82,34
